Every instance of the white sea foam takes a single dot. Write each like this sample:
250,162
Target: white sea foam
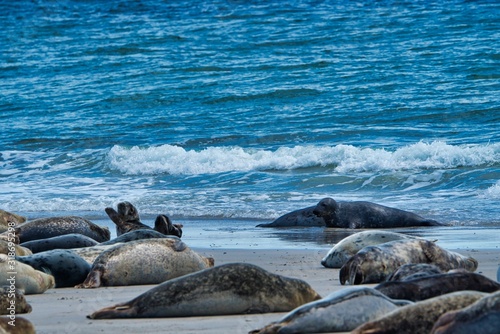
492,192
176,160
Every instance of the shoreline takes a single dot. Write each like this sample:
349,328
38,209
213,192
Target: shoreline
64,310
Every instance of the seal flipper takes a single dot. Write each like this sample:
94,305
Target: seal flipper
113,215
93,279
113,312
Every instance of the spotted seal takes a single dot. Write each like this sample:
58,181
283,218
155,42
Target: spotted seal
65,241
13,249
67,267
349,246
432,286
22,325
127,219
419,317
362,214
149,261
12,301
26,279
411,271
43,228
89,254
233,288
300,217
373,264
351,308
482,317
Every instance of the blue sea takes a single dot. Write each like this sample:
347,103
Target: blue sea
225,114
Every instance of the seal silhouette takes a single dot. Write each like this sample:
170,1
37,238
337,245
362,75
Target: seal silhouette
233,288
341,311
367,215
65,241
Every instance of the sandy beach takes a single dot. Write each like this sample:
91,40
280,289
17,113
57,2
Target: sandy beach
64,310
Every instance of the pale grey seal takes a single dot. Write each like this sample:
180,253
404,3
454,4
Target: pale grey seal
341,311
65,241
300,217
482,317
419,317
54,226
67,267
9,218
349,246
24,277
367,215
13,249
432,286
149,261
12,301
373,264
233,288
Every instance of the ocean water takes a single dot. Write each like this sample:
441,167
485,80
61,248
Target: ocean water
238,111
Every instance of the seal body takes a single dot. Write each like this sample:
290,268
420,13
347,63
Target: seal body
301,217
340,311
411,271
23,326
419,317
65,241
233,288
27,279
482,317
54,226
13,249
149,261
91,253
373,264
349,246
139,234
7,295
367,215
9,218
67,267
436,285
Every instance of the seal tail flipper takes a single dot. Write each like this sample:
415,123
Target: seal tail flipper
272,328
93,279
113,312
350,272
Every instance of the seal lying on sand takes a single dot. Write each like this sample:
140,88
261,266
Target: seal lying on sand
7,295
482,317
23,326
301,217
54,226
91,253
431,286
127,219
67,267
419,317
9,217
340,311
66,241
367,215
27,279
373,264
234,288
6,248
149,261
349,246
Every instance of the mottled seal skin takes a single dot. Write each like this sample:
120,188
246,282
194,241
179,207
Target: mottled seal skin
67,267
349,246
91,253
54,226
9,217
301,217
23,326
419,317
7,295
482,317
373,264
27,279
432,286
127,219
233,288
6,248
367,215
66,241
149,261
137,235
340,311
412,271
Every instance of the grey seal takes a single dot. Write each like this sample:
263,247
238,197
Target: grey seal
26,278
12,301
233,288
349,246
373,264
9,219
419,317
300,217
89,254
482,317
432,286
13,249
65,241
54,226
362,214
67,267
127,219
149,261
411,271
340,311
22,326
